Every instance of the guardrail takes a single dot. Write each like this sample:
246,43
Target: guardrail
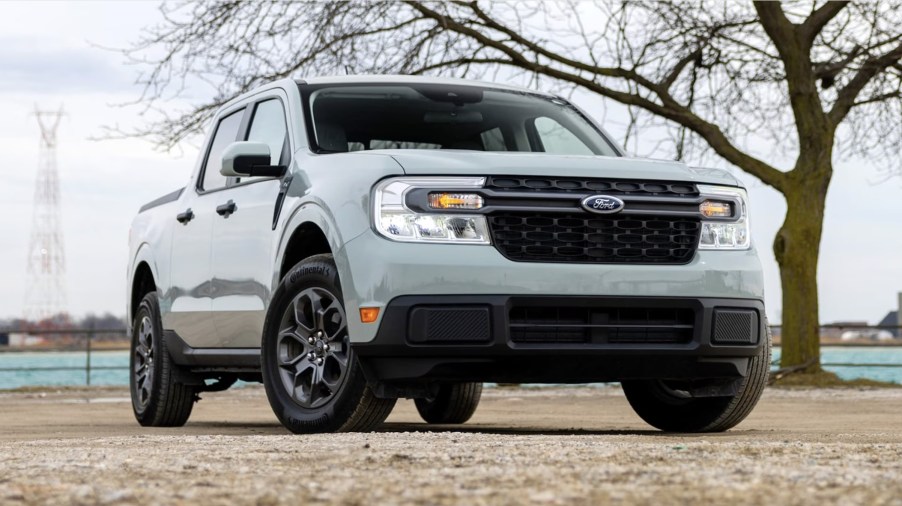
90,335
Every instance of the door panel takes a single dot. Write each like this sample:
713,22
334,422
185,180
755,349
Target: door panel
190,295
189,301
243,239
242,263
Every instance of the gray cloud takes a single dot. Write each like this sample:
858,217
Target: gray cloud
27,66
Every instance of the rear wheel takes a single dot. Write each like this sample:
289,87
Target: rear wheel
452,404
159,399
663,405
311,374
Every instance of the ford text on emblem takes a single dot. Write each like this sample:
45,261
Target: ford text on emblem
602,204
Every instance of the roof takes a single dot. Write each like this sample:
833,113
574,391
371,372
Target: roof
891,318
404,79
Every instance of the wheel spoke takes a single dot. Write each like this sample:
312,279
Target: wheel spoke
341,358
313,320
292,347
339,332
318,375
330,379
308,326
142,369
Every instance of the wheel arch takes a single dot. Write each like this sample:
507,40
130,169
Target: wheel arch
307,239
142,284
309,230
143,280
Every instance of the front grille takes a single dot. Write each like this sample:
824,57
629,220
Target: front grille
596,325
588,186
585,238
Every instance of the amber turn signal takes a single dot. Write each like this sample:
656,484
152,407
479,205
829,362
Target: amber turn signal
455,201
369,314
713,209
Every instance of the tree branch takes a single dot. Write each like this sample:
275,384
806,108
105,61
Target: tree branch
845,100
795,51
672,76
820,17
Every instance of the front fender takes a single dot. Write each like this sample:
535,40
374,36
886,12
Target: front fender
312,213
331,192
144,254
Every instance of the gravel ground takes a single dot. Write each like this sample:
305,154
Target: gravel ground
533,446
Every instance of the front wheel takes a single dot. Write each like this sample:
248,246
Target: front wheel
452,404
666,407
312,378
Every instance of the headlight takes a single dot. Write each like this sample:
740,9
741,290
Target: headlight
394,220
730,229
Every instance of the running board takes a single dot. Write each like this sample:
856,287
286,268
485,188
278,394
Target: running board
225,359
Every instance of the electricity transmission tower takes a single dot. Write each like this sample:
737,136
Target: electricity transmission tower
45,295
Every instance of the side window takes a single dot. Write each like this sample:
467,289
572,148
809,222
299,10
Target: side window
226,133
558,139
268,127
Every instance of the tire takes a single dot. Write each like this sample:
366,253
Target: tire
453,404
661,407
313,380
159,399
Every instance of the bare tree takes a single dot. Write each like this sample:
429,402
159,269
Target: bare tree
814,79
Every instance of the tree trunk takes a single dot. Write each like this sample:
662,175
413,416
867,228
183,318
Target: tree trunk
796,248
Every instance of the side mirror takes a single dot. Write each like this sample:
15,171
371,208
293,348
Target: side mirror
249,159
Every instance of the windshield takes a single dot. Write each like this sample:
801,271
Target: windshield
430,116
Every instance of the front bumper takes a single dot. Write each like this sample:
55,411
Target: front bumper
483,344
375,271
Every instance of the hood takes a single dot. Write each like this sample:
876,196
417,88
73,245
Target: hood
449,162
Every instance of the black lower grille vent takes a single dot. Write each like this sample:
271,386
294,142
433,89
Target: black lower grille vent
601,325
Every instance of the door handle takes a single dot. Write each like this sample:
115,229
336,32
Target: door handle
226,209
185,217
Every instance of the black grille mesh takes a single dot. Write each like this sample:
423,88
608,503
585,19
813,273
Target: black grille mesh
571,237
601,325
608,186
440,324
735,326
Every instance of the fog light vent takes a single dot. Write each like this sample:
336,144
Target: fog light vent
735,326
468,324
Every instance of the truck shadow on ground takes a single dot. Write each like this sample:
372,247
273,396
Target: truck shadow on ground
543,431
233,428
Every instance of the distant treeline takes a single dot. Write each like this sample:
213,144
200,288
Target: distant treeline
106,321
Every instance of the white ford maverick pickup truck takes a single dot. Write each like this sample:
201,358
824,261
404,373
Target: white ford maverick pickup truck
351,241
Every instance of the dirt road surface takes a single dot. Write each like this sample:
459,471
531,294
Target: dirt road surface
523,446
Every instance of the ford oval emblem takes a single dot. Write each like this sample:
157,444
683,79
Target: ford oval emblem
602,204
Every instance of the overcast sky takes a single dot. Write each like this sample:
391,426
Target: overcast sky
48,57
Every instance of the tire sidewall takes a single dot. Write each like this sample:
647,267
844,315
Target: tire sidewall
318,271
657,407
149,307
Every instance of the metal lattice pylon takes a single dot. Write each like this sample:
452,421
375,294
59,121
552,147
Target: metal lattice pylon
46,291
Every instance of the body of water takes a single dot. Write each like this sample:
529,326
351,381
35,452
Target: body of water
119,360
